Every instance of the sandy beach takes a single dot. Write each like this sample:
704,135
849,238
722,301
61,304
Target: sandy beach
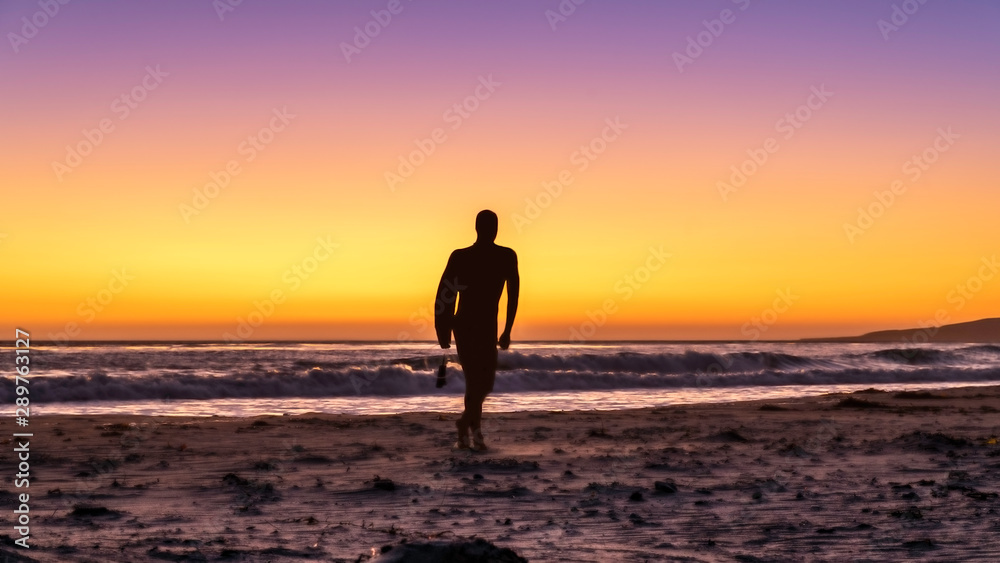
851,477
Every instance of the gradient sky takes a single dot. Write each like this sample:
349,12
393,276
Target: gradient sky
63,237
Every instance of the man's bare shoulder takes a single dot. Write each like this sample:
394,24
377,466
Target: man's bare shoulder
509,259
507,251
484,252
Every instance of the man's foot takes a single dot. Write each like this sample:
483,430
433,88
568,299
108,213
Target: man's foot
478,443
463,435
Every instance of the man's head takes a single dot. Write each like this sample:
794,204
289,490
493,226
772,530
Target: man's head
486,226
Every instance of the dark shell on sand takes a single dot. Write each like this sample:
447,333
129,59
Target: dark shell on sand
448,552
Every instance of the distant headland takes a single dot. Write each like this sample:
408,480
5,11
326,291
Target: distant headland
983,330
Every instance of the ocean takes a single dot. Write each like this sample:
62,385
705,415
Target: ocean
250,379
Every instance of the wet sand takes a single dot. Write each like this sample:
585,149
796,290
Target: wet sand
850,477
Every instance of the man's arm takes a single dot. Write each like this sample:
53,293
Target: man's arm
444,303
513,291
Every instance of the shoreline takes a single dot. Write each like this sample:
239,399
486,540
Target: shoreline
869,474
497,403
957,392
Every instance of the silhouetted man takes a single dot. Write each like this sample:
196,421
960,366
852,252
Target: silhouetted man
475,277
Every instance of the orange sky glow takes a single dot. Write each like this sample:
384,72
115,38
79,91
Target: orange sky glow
185,177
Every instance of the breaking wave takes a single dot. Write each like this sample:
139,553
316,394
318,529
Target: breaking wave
122,374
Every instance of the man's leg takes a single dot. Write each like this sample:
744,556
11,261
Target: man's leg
478,355
480,385
467,360
475,394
